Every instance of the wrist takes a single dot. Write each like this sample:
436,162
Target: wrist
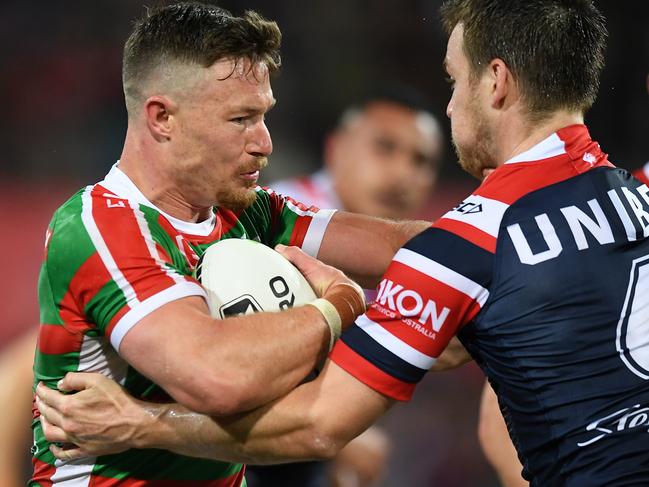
340,306
150,427
331,317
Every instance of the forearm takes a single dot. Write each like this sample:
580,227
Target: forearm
363,246
313,422
242,438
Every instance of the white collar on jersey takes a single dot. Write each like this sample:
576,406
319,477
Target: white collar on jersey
550,147
121,185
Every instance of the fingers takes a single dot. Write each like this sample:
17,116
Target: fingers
67,452
295,255
49,396
76,381
52,415
53,433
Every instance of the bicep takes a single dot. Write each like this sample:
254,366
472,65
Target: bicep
165,345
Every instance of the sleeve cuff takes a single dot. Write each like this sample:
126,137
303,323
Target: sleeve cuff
316,231
134,315
370,375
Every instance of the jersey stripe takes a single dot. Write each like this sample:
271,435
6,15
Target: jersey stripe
57,339
455,252
87,281
369,374
122,250
42,472
442,273
389,341
102,248
75,473
357,339
468,232
629,226
151,244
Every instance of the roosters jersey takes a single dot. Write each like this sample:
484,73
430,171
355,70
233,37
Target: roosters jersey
112,258
543,272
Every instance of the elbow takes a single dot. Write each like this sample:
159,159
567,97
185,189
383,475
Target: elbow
320,445
323,438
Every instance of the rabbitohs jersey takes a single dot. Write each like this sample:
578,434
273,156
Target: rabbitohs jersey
111,258
543,272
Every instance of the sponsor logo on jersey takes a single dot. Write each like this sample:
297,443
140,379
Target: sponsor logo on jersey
586,219
468,208
409,304
621,420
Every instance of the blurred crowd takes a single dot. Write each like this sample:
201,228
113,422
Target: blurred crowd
64,122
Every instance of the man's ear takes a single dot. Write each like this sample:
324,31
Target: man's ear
159,112
504,88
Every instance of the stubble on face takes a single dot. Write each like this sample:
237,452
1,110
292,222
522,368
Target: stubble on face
475,157
239,199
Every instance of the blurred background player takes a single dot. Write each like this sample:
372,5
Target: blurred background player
382,159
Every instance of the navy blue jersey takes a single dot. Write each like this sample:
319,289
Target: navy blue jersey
543,273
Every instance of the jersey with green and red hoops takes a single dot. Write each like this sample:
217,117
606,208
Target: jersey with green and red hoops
111,258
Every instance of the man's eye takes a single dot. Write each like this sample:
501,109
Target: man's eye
238,120
450,81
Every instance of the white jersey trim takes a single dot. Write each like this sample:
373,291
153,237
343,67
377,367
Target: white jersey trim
315,232
485,214
74,473
395,345
443,274
97,355
151,246
551,147
120,184
146,307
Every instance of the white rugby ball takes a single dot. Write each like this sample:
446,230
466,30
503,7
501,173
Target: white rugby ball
244,276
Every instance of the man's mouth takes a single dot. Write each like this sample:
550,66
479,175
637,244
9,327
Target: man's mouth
250,175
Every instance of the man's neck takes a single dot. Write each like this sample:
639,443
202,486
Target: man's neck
519,135
147,173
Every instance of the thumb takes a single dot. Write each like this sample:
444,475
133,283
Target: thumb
297,257
78,381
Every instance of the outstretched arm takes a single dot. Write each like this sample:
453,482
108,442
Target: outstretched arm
314,421
363,246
